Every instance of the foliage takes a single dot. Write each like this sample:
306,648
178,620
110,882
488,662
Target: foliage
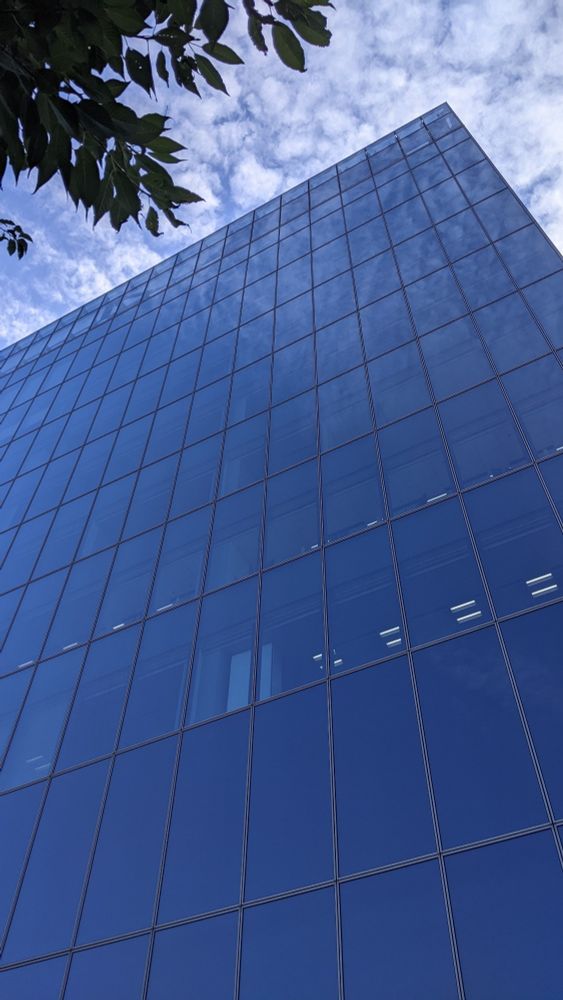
16,240
66,64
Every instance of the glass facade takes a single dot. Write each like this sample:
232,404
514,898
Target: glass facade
281,700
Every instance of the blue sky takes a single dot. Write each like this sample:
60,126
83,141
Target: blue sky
497,62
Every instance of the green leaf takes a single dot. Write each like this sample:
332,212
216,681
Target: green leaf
223,53
161,67
11,247
213,19
21,248
151,221
139,69
314,34
104,198
87,178
210,74
124,15
288,47
184,197
163,146
256,33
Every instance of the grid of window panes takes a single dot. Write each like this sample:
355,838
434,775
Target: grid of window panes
281,700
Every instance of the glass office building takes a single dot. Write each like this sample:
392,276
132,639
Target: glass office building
281,695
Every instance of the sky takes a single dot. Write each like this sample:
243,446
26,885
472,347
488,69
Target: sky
497,62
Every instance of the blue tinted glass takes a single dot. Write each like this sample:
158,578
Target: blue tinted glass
344,409
330,227
441,585
528,255
223,661
181,560
255,339
501,214
145,395
37,733
91,728
334,299
537,394
524,566
129,582
180,377
419,256
292,514
482,277
367,240
386,324
435,300
444,199
122,881
13,690
75,614
375,278
235,538
217,359
208,411
293,279
290,798
461,234
203,862
167,434
480,180
455,358
514,886
398,384
552,472
510,332
201,954
397,190
289,949
414,462
18,565
533,643
117,968
482,771
29,982
197,474
129,447
149,504
545,299
90,466
395,936
108,513
363,608
293,432
291,627
381,794
57,865
17,818
293,370
250,391
482,435
338,348
351,489
157,690
244,454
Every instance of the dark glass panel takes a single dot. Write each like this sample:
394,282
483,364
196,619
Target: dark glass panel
537,394
18,812
235,539
115,970
351,489
455,358
244,454
200,954
292,514
398,384
510,332
414,462
182,556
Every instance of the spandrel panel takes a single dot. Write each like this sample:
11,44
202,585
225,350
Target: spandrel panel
122,882
204,856
382,799
395,936
290,826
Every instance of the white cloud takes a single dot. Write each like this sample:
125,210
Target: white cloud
497,62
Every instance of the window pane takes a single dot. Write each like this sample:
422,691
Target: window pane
180,565
338,348
435,300
25,638
398,384
77,609
510,332
386,324
243,456
420,256
57,865
122,881
519,540
289,949
516,886
203,862
117,968
351,489
250,391
414,462
17,818
482,277
441,584
381,794
291,631
13,690
34,743
32,981
533,643
290,798
152,494
483,776
208,411
537,394
292,514
395,936
157,692
129,582
91,728
455,358
482,435
293,434
293,370
108,513
363,608
236,536
223,660
528,254
202,954
546,301
344,409
197,475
